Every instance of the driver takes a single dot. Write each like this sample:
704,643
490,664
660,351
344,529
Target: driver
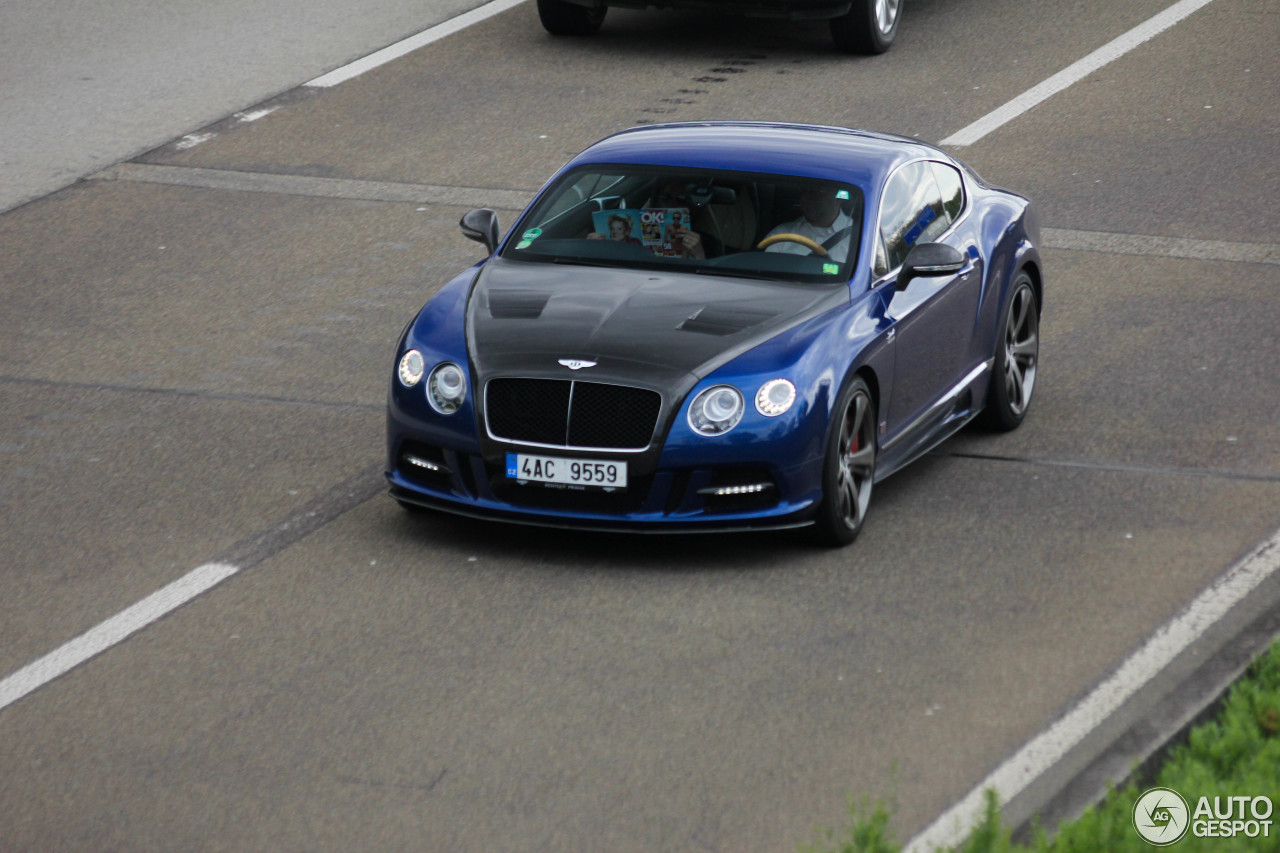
821,219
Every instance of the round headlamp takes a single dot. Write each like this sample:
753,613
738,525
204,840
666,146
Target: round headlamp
716,410
411,367
446,388
775,397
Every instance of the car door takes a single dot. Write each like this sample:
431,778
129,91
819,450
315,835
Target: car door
934,317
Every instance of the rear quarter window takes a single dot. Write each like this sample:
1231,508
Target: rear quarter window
951,186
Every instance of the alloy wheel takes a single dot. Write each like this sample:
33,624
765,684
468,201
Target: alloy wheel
887,15
857,460
1021,349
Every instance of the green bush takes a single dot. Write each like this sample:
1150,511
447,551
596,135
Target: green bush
1235,754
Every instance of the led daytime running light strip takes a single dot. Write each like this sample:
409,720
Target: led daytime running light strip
749,489
423,463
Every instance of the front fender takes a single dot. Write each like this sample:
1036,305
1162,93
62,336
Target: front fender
818,357
439,333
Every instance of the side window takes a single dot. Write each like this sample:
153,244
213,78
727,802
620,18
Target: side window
911,211
952,188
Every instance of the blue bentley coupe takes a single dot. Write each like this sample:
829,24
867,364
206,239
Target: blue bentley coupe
718,326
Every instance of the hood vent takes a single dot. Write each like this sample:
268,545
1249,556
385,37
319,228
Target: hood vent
716,320
517,304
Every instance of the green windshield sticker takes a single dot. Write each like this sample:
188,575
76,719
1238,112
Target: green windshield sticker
531,234
524,244
831,269
843,194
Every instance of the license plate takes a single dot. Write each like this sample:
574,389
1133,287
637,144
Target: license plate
595,473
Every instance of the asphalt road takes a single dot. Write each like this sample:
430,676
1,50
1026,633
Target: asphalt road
83,86
196,346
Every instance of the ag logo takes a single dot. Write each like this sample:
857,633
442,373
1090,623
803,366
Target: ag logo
1161,816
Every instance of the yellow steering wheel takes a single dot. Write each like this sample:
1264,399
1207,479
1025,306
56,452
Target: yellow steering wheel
813,245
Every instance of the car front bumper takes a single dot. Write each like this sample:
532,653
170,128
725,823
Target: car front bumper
685,500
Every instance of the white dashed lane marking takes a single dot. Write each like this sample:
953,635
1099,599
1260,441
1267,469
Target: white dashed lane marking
412,43
102,637
1075,72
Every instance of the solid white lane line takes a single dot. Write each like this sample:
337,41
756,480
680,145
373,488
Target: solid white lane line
96,640
1043,751
1075,72
412,43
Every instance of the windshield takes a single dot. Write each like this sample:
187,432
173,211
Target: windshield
714,223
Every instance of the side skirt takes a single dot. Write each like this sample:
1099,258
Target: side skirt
942,420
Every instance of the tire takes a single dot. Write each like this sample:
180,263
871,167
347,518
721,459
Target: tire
1017,356
868,28
848,471
561,18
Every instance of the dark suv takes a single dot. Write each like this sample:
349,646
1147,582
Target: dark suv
857,26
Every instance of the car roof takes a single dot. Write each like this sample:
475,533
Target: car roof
812,151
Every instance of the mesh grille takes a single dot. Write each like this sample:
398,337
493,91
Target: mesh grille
538,410
529,409
612,415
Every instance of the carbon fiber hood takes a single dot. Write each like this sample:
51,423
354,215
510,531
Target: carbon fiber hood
638,327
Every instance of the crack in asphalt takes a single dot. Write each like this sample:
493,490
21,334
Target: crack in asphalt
221,396
1162,247
1113,466
302,185
1265,477
330,505
516,199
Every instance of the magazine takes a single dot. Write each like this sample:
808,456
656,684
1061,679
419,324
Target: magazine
656,228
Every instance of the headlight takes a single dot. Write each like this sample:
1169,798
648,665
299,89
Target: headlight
446,388
716,410
775,397
411,368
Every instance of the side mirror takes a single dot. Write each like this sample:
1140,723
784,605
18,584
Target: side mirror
481,225
930,259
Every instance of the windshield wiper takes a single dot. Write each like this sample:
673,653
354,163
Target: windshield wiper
732,273
581,262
